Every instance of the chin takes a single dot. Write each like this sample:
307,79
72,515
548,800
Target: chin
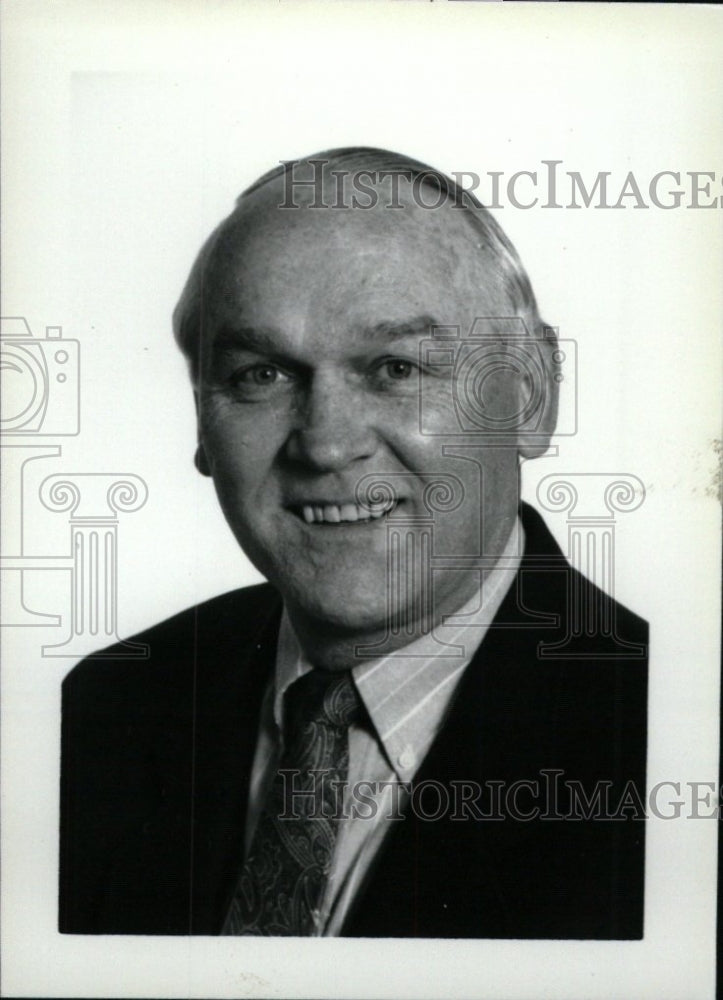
340,606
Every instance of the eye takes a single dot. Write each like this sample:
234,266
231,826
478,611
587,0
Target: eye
389,372
399,369
392,374
260,375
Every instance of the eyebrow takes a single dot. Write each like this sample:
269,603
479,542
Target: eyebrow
238,337
266,340
407,328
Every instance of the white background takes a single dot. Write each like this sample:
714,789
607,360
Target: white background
129,130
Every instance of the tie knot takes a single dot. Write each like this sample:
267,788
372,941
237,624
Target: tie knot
321,696
342,704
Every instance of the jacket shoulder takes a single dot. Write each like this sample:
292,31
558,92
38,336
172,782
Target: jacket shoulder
139,738
175,644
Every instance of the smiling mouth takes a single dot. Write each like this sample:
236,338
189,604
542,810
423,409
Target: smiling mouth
344,513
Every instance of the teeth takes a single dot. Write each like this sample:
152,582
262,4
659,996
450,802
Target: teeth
378,510
332,513
348,512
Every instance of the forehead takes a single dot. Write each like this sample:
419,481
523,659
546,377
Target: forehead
286,266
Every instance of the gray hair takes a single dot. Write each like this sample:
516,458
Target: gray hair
188,314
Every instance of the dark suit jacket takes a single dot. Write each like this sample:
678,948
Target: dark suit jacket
156,756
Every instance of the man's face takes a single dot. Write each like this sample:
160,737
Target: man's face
310,382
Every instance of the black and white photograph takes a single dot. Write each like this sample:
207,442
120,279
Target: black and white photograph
361,499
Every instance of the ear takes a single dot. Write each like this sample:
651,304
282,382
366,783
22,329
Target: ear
200,459
534,436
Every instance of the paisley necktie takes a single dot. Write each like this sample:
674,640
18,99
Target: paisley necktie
283,879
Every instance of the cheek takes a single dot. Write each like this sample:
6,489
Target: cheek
477,489
240,472
500,498
241,445
436,406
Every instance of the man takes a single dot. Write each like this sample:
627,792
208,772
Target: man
359,746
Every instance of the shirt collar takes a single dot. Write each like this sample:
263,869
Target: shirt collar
407,692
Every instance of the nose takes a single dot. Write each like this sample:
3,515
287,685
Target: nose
333,428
